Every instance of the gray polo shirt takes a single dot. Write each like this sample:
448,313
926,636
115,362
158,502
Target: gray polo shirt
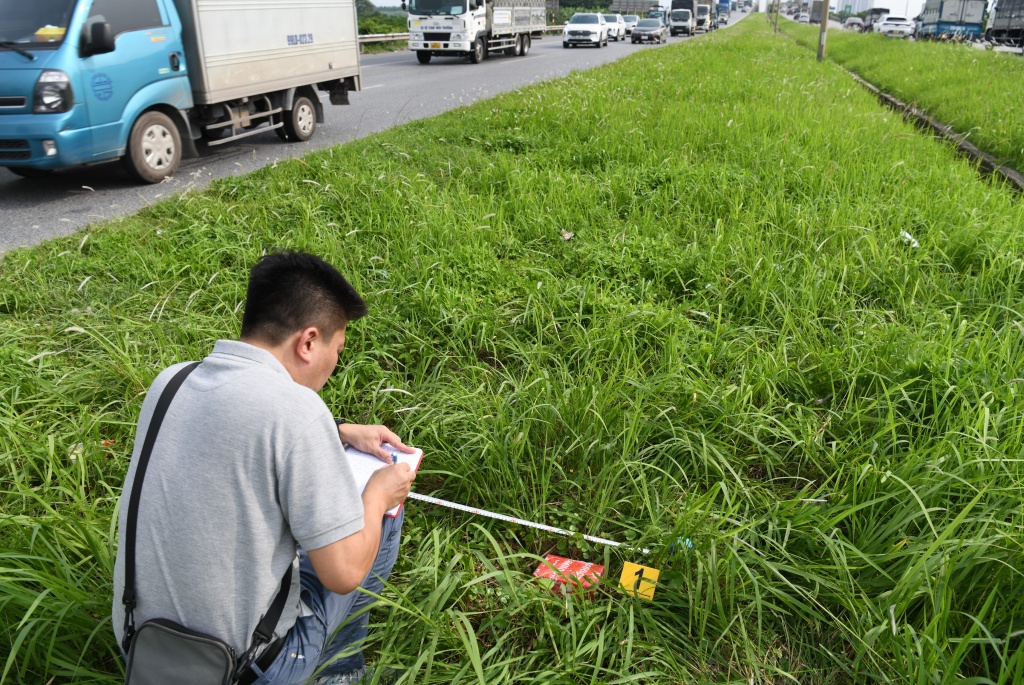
247,464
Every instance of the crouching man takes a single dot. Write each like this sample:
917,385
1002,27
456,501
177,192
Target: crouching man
248,479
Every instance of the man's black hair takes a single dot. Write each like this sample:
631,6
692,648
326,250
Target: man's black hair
290,291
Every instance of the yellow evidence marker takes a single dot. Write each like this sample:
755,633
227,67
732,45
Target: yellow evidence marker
639,581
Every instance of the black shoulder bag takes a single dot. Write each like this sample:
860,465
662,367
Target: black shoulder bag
161,651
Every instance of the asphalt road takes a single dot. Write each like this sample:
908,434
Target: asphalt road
396,89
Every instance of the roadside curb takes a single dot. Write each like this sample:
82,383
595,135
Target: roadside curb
986,162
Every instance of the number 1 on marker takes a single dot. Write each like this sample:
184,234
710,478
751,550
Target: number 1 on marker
639,581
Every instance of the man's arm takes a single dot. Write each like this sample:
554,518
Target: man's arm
341,566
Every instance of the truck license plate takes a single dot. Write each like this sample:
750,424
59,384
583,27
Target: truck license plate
436,46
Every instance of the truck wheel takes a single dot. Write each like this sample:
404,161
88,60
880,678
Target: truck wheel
423,56
300,120
526,44
477,56
154,148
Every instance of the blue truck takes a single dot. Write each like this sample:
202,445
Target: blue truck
723,13
90,81
952,19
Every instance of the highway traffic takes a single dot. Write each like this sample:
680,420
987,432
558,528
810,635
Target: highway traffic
396,89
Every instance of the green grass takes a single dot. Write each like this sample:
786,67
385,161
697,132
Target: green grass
976,92
736,345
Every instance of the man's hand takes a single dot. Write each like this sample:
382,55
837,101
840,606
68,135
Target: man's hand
389,485
370,438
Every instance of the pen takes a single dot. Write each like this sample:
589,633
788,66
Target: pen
394,458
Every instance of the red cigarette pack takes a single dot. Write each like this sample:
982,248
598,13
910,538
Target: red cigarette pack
568,573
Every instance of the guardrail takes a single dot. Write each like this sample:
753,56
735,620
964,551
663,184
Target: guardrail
392,37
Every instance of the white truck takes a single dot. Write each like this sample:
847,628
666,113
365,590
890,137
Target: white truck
473,28
681,22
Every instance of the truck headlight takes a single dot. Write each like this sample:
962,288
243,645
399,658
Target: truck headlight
459,36
415,36
52,93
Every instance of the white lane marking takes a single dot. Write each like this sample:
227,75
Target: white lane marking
379,85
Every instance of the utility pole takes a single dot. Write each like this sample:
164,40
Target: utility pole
824,30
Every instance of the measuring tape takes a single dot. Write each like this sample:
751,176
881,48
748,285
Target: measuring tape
521,522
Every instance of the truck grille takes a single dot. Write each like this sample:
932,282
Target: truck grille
15,149
437,36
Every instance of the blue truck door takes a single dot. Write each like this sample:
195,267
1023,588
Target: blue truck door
147,50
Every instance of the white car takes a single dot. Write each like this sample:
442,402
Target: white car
899,27
803,18
631,20
616,27
585,28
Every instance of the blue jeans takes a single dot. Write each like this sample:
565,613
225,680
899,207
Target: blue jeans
306,646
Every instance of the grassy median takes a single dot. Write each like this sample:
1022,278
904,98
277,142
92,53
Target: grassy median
977,92
712,291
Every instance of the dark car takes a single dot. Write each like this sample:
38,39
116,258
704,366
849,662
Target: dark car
652,30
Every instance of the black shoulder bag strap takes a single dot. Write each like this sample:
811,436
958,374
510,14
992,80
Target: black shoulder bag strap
265,629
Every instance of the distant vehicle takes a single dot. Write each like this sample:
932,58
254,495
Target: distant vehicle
874,15
473,29
803,18
896,27
704,19
853,24
690,5
585,28
1006,24
631,20
953,19
660,10
817,8
681,22
723,9
650,31
616,27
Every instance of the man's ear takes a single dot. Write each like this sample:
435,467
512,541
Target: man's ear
304,343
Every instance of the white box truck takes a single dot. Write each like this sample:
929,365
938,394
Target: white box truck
473,28
89,81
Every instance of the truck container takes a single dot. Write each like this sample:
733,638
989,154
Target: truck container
1006,24
953,19
88,81
637,7
473,28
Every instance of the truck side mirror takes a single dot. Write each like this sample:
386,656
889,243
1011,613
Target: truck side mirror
101,40
403,5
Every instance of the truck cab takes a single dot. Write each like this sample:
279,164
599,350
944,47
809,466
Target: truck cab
66,98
